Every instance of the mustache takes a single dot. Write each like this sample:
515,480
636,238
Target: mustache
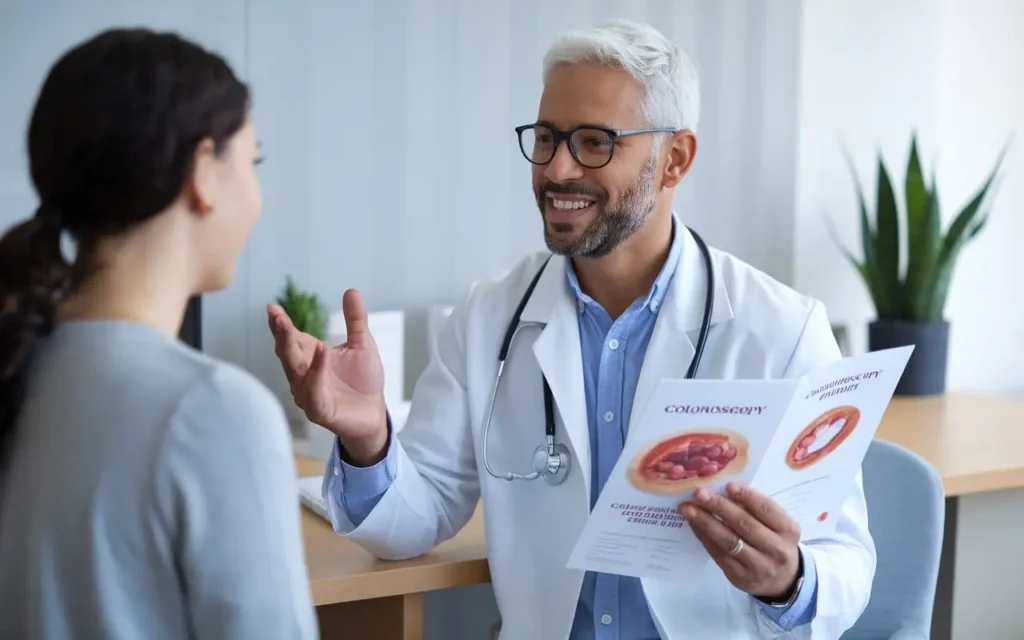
571,190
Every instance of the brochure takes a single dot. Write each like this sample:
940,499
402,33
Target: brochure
800,441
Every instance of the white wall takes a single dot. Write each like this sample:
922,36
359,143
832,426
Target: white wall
391,162
867,79
980,105
392,165
873,70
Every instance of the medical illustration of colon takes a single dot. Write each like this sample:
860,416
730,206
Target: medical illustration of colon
682,462
822,437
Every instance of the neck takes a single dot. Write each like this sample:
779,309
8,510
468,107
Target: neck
616,280
135,279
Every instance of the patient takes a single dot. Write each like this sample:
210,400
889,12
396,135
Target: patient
146,490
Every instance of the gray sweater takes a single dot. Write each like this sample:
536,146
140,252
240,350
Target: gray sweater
151,493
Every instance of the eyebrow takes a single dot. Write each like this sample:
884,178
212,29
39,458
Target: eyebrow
586,125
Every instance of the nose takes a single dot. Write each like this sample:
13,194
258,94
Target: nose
563,166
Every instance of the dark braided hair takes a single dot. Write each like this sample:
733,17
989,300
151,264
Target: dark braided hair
110,144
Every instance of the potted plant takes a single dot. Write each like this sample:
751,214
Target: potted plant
308,314
910,298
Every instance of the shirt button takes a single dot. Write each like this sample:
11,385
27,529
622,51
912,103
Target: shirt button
613,344
654,306
606,618
335,470
608,416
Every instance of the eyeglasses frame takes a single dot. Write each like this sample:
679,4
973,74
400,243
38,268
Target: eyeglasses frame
613,134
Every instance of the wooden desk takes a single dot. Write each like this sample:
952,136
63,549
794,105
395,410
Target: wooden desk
358,596
975,441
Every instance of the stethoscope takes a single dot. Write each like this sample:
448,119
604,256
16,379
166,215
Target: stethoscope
551,460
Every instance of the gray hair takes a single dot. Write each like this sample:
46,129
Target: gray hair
671,84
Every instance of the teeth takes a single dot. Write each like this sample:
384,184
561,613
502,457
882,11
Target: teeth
571,204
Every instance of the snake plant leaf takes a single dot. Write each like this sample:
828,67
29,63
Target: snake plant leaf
964,227
867,268
922,228
944,275
920,294
888,245
857,264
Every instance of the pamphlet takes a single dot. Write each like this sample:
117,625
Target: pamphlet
800,441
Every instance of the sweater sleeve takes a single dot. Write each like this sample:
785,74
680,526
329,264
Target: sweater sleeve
227,491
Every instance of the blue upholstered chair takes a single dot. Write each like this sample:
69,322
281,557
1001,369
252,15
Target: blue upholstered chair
906,513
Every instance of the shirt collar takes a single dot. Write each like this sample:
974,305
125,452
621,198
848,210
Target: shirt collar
661,283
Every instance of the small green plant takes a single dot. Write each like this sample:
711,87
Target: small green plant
305,309
918,294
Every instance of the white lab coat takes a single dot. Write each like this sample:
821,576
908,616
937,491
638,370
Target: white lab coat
760,329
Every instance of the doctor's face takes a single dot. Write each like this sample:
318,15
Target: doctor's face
591,204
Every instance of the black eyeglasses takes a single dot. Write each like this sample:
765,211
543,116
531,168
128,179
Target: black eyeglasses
590,146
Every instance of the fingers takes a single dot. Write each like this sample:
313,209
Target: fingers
356,325
318,364
278,321
315,383
767,561
737,520
716,536
287,343
720,540
764,510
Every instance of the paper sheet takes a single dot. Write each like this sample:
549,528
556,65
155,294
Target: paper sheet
800,441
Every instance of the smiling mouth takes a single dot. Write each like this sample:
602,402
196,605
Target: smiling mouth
571,204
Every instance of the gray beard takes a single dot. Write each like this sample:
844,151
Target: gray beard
612,226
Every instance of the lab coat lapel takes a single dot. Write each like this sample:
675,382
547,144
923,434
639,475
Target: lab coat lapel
677,328
559,356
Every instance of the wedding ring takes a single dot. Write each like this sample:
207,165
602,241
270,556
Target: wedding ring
737,548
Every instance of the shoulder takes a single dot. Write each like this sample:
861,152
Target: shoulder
230,406
791,324
498,295
753,292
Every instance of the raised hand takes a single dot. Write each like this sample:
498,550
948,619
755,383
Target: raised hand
340,388
752,539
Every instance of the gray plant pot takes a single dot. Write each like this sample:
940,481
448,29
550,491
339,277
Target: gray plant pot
925,374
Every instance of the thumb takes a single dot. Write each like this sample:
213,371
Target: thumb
356,324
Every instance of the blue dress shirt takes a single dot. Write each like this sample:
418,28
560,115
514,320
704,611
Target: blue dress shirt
610,607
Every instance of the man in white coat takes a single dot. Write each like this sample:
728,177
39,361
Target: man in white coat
621,301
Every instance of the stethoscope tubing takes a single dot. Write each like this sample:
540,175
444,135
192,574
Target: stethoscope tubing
556,467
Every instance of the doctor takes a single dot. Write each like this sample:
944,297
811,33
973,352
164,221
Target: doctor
620,305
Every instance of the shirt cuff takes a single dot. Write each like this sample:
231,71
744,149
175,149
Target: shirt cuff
360,488
364,482
804,607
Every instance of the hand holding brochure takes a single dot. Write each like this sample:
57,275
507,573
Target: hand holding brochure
799,441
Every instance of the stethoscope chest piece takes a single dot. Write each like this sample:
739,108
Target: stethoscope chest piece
552,465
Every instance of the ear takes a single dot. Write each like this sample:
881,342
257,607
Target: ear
199,184
681,151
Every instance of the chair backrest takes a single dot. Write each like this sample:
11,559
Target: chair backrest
906,517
